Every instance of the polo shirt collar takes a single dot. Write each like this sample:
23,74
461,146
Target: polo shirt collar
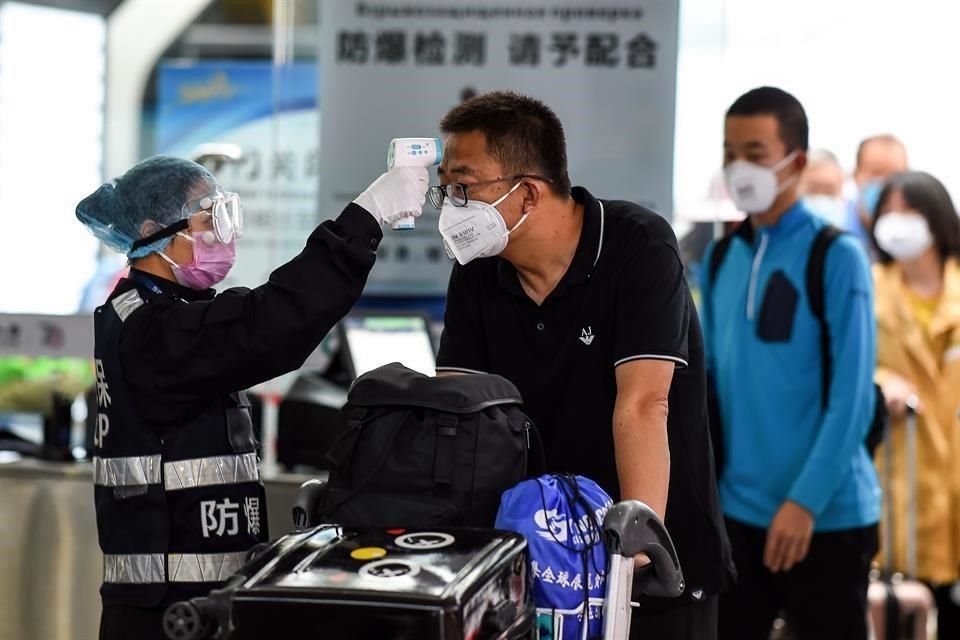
585,257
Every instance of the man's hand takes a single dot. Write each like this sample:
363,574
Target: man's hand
397,194
898,392
788,539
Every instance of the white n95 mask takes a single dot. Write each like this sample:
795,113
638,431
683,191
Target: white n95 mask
833,210
904,236
476,230
753,187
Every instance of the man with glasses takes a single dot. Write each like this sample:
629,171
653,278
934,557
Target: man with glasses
582,304
177,490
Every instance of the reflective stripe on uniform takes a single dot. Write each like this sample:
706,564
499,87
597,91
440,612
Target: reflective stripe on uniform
204,567
214,470
126,472
147,568
180,474
141,568
126,303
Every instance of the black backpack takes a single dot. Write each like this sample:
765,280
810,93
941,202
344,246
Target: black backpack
422,451
815,293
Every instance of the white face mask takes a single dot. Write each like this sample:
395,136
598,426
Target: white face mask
753,187
476,230
904,236
833,210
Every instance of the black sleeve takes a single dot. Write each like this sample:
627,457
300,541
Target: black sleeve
242,337
651,300
462,341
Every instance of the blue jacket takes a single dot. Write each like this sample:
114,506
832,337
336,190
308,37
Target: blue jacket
763,355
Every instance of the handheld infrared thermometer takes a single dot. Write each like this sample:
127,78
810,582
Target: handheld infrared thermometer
413,152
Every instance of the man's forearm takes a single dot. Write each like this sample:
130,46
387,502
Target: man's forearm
643,453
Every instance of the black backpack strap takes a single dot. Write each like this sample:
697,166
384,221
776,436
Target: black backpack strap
720,250
744,231
716,258
341,449
445,454
713,404
816,268
357,421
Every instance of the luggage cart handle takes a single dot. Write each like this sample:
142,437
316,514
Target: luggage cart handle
308,504
631,528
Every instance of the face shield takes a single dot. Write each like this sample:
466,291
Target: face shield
225,211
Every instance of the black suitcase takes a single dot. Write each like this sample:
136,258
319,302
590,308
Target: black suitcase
334,582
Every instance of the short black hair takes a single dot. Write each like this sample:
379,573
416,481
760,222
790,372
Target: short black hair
929,198
789,113
884,138
523,134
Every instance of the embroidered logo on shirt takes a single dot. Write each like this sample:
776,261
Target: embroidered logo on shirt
586,336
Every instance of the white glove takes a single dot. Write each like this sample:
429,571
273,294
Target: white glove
397,194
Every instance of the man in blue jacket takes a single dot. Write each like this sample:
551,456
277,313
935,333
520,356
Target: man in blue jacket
797,486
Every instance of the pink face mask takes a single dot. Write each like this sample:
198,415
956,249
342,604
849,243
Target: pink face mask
212,261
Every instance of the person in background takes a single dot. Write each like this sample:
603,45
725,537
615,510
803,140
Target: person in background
821,187
176,485
878,158
917,279
797,485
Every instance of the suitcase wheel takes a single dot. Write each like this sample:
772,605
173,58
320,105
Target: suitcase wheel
184,621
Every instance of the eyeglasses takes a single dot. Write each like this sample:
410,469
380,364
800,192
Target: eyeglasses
456,192
224,209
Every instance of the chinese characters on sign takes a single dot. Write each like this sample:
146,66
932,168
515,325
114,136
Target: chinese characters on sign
435,48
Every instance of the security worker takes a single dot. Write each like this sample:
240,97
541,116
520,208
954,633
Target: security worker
178,495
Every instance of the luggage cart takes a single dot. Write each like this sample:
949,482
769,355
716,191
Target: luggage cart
338,582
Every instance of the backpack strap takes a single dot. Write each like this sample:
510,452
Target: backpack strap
744,230
816,294
445,454
356,422
341,449
716,258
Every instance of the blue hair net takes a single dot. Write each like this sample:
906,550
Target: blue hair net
155,189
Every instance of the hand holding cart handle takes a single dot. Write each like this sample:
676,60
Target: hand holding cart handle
631,528
307,504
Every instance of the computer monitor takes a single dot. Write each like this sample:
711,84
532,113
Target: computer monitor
375,338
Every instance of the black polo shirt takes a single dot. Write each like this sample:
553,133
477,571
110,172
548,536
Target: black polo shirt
623,298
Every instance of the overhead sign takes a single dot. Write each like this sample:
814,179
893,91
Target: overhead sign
393,68
270,112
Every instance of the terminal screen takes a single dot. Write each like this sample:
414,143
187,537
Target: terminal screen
374,341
